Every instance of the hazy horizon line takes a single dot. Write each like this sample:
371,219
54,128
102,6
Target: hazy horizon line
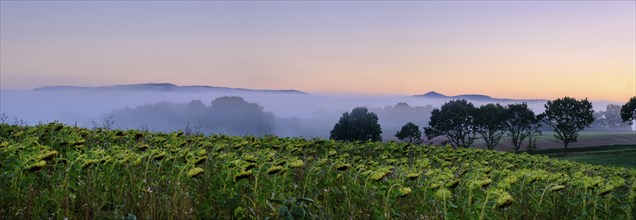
307,92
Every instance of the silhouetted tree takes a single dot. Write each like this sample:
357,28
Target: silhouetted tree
410,132
628,111
227,115
489,121
568,116
521,123
360,125
233,115
455,120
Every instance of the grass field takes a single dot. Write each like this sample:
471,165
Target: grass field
589,139
611,155
547,141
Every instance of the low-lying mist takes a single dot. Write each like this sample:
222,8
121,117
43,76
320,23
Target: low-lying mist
257,113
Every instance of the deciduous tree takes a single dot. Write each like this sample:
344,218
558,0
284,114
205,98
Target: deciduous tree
521,123
359,125
410,132
489,121
455,120
628,111
568,116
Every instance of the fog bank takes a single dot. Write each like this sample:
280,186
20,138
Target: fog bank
306,115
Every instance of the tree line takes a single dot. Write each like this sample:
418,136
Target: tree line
230,115
462,123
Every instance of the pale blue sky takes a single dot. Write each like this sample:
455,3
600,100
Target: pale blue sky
575,48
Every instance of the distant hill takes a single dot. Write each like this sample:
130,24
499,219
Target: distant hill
432,94
162,87
474,97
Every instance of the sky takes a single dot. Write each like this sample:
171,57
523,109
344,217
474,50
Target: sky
518,49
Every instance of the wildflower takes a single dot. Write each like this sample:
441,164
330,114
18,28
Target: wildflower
88,163
142,147
139,136
452,184
194,172
483,183
532,177
249,158
78,144
503,185
412,176
137,161
121,161
218,148
275,170
424,163
18,134
378,175
392,161
332,152
435,185
343,167
297,164
430,173
242,175
504,200
443,194
590,182
279,163
249,166
160,156
47,155
606,189
509,166
200,160
511,179
404,191
360,167
37,166
61,160
557,188
105,159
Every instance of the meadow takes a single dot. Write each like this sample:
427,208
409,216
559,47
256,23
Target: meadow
546,142
588,139
56,171
609,155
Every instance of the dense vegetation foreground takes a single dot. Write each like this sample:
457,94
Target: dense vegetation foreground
56,171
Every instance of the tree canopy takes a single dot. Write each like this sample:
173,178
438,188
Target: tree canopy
225,115
455,120
489,121
359,125
568,116
521,123
628,111
410,132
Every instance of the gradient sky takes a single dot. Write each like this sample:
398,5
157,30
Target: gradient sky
520,49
